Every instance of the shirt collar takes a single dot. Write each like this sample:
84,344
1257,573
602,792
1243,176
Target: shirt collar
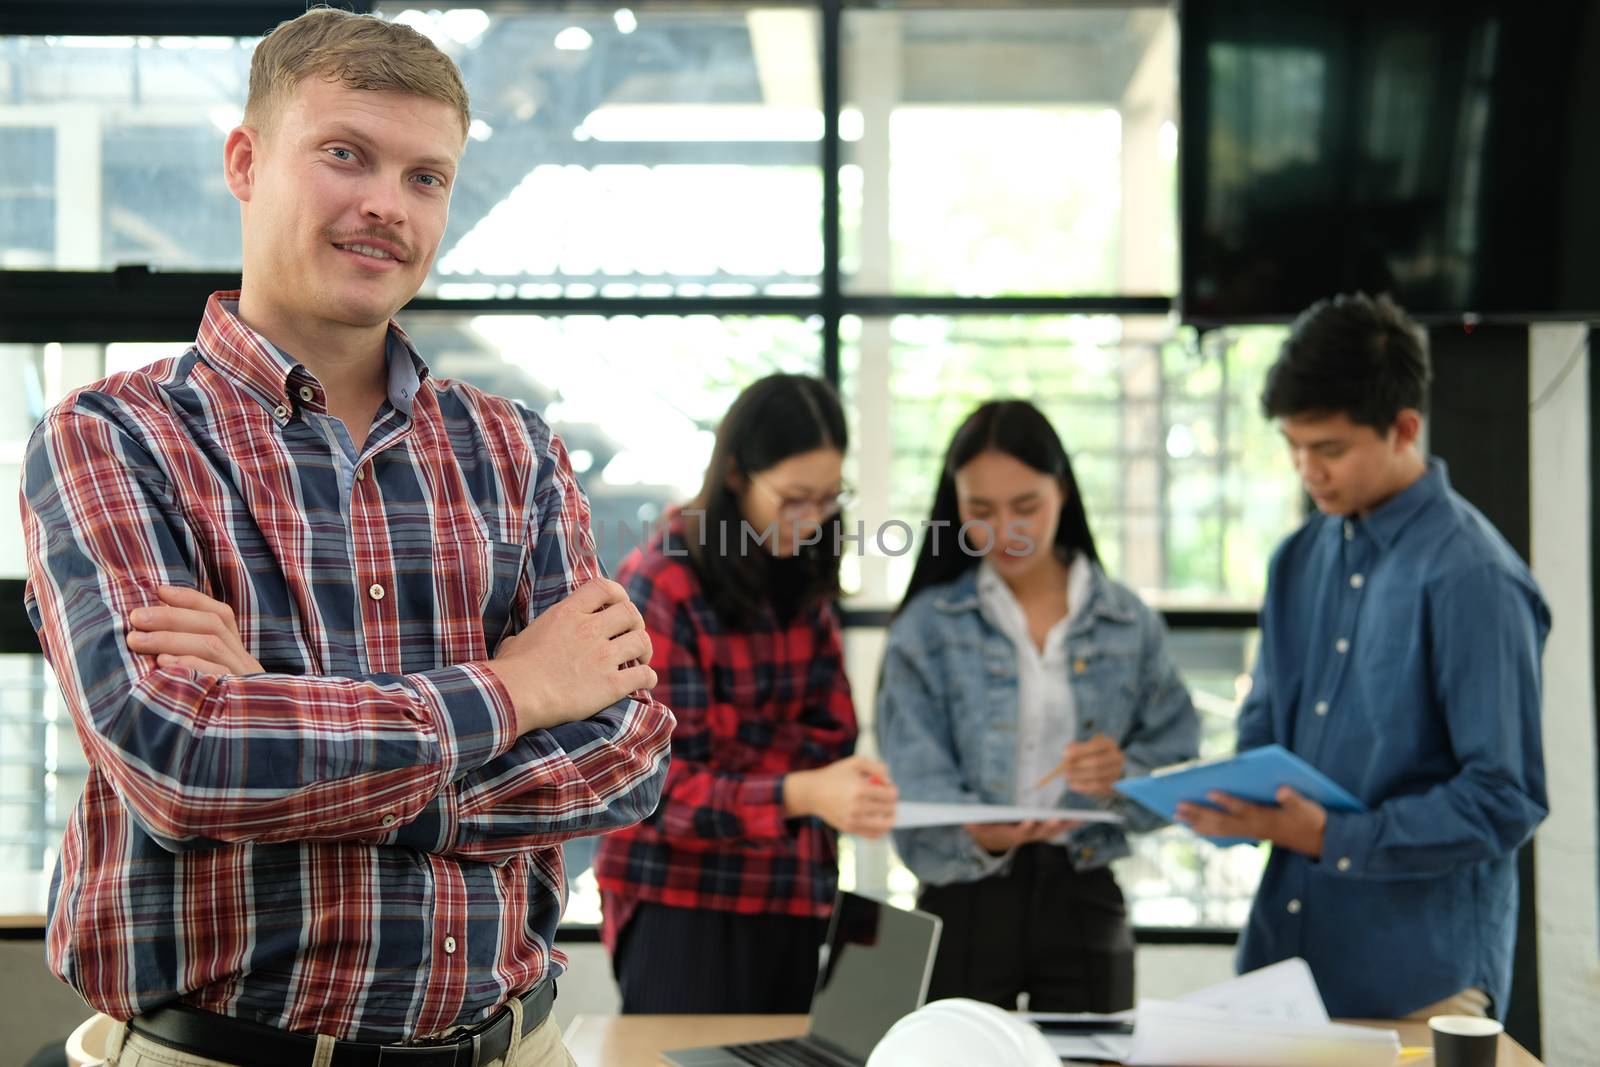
962,592
1386,522
275,378
1000,604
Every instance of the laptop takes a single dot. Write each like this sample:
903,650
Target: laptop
874,972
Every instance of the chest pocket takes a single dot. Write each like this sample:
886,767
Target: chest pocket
476,585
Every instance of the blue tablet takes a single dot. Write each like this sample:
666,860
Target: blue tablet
1254,776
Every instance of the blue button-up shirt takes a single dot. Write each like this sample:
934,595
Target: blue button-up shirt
1400,655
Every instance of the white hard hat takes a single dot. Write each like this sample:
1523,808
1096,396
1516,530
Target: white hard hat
962,1033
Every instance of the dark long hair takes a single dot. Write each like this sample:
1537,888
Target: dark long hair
1019,430
780,416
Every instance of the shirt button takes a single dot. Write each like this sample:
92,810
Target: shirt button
1079,666
281,411
388,821
1349,532
1294,907
361,474
450,946
307,393
1322,707
1343,864
375,591
1342,646
1357,581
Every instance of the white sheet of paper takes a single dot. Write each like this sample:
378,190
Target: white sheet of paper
1285,991
912,815
1273,1017
1171,1034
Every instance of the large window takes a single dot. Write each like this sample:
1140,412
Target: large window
111,150
928,205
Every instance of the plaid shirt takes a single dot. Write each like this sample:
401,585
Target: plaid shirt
356,842
751,707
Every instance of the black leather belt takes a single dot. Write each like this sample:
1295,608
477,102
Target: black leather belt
248,1044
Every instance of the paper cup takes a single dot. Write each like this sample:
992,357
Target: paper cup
1464,1040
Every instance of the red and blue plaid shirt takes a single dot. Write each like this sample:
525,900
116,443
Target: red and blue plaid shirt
751,707
356,842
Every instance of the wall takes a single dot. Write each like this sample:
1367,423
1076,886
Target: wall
1568,860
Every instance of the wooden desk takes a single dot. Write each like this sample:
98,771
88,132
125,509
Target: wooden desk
639,1040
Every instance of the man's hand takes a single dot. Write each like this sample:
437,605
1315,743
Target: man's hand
191,632
853,795
999,838
1296,823
584,654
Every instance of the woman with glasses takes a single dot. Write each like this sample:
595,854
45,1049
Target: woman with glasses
1017,672
717,902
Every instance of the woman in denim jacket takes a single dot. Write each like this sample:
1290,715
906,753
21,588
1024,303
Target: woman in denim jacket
1014,660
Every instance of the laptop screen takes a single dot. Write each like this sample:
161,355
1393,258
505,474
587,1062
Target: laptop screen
878,961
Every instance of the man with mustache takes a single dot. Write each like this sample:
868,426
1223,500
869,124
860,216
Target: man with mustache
330,628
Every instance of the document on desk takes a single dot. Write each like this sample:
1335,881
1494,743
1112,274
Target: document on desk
1284,992
1273,1017
1173,1034
915,815
1254,775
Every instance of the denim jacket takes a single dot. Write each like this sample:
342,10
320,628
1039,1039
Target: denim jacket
947,716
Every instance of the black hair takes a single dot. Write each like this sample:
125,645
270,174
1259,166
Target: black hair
1355,354
780,416
1021,431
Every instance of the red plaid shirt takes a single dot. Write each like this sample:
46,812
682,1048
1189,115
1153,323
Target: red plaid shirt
355,842
751,707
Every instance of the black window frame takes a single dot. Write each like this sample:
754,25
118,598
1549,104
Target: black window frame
132,303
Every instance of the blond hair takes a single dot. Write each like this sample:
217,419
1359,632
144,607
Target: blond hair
359,51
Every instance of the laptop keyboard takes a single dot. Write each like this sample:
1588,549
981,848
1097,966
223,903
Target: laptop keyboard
788,1052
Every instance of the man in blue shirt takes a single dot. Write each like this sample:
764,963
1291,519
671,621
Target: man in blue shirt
1400,648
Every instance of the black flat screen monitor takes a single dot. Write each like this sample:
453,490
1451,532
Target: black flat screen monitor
1447,153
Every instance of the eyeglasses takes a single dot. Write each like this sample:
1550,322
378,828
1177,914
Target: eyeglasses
824,507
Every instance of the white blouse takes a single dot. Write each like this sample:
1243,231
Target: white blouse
1047,718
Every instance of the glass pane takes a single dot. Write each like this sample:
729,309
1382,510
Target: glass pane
675,152
1173,877
1004,152
1232,493
636,399
1186,486
111,151
42,768
33,378
670,152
